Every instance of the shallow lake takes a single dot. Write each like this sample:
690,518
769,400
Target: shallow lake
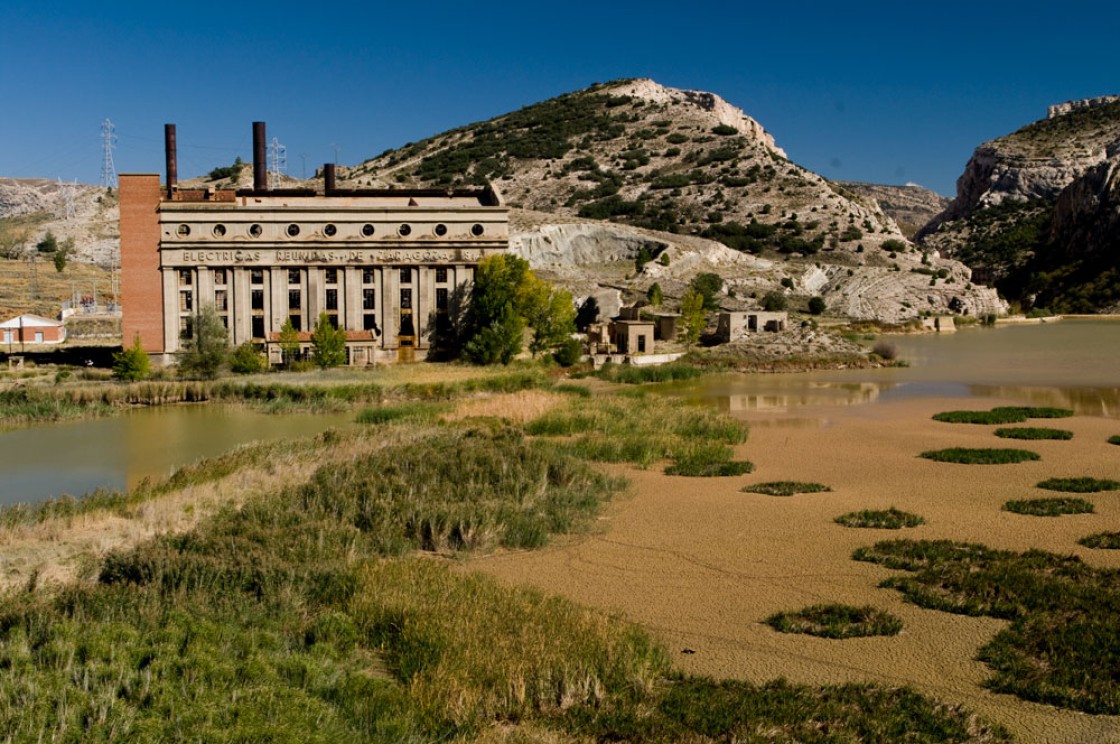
74,457
1072,363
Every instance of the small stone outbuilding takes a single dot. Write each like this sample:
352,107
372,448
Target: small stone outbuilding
734,326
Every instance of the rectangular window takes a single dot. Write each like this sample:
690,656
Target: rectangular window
333,320
441,299
258,326
186,277
441,274
294,299
221,300
367,276
257,296
219,277
330,276
225,321
38,337
186,301
186,327
369,322
369,299
256,276
332,299
293,276
406,299
641,344
7,337
296,322
406,275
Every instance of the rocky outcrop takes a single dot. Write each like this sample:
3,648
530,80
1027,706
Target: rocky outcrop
909,206
1061,109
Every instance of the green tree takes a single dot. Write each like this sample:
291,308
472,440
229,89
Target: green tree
328,344
816,305
132,363
708,285
494,319
654,295
206,349
62,254
693,316
49,243
289,343
773,301
247,359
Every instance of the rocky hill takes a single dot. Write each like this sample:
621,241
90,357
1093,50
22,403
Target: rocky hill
602,173
911,207
1035,211
29,207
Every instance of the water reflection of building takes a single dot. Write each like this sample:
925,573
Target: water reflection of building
807,394
387,266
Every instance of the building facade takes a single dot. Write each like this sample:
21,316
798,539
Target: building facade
384,265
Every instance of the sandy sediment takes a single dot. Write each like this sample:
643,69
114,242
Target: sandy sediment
701,564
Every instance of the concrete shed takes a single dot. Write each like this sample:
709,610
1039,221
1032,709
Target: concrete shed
32,329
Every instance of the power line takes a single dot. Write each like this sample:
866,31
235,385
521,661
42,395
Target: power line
108,141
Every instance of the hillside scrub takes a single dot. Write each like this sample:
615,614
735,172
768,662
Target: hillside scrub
1063,645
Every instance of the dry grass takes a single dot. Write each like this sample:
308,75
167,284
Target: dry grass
520,407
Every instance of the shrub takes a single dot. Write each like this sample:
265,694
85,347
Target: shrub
568,352
724,130
1079,485
701,467
981,456
773,302
131,364
784,488
1049,507
1033,432
816,305
836,621
247,359
893,245
885,519
1102,541
1114,439
885,350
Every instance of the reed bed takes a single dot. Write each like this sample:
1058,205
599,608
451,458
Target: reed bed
837,621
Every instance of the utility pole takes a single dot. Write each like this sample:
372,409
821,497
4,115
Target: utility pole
108,142
277,163
336,149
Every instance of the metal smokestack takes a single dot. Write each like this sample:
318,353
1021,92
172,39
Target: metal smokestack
328,178
170,150
260,165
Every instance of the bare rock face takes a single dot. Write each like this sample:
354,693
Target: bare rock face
909,206
87,215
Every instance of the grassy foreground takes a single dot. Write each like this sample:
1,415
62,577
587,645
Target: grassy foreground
325,612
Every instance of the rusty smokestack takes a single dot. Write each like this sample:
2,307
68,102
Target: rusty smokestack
260,165
171,154
328,178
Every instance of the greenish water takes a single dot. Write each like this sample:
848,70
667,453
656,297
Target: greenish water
1072,363
79,456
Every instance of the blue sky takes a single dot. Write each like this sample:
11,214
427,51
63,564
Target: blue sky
869,91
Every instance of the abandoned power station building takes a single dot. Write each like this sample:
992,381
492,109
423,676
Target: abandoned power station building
384,265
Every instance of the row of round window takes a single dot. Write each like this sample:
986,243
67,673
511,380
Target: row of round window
329,230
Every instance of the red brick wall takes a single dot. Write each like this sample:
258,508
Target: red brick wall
141,283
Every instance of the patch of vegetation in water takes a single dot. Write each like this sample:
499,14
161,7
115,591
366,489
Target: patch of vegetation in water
1033,432
784,488
1101,541
880,519
1063,645
1114,439
980,456
1079,485
630,374
702,467
1002,415
836,621
1055,507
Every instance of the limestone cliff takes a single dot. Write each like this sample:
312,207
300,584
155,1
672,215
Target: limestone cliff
909,206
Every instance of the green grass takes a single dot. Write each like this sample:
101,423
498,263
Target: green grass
784,488
1033,432
1062,646
630,374
884,519
1001,415
980,456
709,468
836,621
1049,507
1079,485
1114,439
1102,541
400,412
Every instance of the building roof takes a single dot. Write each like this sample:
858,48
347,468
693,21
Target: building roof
27,320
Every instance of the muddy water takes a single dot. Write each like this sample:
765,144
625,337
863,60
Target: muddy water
79,456
702,565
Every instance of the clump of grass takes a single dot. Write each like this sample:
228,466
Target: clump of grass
882,519
784,488
1049,507
1102,541
1002,415
630,374
1114,439
1079,485
980,456
702,468
1063,644
1033,432
836,621
580,391
400,412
